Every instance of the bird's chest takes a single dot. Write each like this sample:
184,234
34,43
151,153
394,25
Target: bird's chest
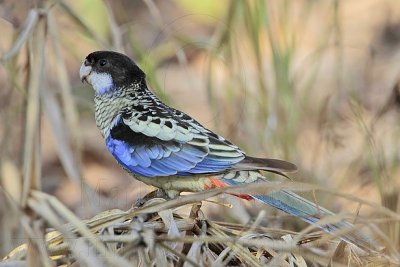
106,109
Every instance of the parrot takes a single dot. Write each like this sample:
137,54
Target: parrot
168,149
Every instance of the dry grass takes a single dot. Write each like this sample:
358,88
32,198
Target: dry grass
157,233
299,80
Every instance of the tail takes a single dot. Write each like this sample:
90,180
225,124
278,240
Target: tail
271,165
309,212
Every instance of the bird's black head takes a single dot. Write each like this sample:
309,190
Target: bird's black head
107,71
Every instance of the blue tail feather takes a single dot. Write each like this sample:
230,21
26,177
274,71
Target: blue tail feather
309,212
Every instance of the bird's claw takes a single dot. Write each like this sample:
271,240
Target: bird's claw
159,193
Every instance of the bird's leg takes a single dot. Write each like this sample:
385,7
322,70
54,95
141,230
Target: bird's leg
158,193
141,201
171,194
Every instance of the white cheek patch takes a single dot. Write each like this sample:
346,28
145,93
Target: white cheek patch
102,82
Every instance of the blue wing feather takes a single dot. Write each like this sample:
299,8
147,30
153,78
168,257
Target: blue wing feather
153,151
141,156
161,168
164,158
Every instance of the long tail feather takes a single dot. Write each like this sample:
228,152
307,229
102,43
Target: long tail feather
309,212
272,165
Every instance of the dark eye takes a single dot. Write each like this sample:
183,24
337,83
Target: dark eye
102,62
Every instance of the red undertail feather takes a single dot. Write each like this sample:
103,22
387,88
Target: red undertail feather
217,183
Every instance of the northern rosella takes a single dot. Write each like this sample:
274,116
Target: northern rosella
166,148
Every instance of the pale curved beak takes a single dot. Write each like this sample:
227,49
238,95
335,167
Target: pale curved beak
84,72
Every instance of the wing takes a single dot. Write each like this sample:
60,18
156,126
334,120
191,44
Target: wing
158,141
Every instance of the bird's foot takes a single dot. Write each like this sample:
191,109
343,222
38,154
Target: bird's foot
159,193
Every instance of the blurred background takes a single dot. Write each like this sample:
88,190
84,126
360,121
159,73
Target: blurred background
312,82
